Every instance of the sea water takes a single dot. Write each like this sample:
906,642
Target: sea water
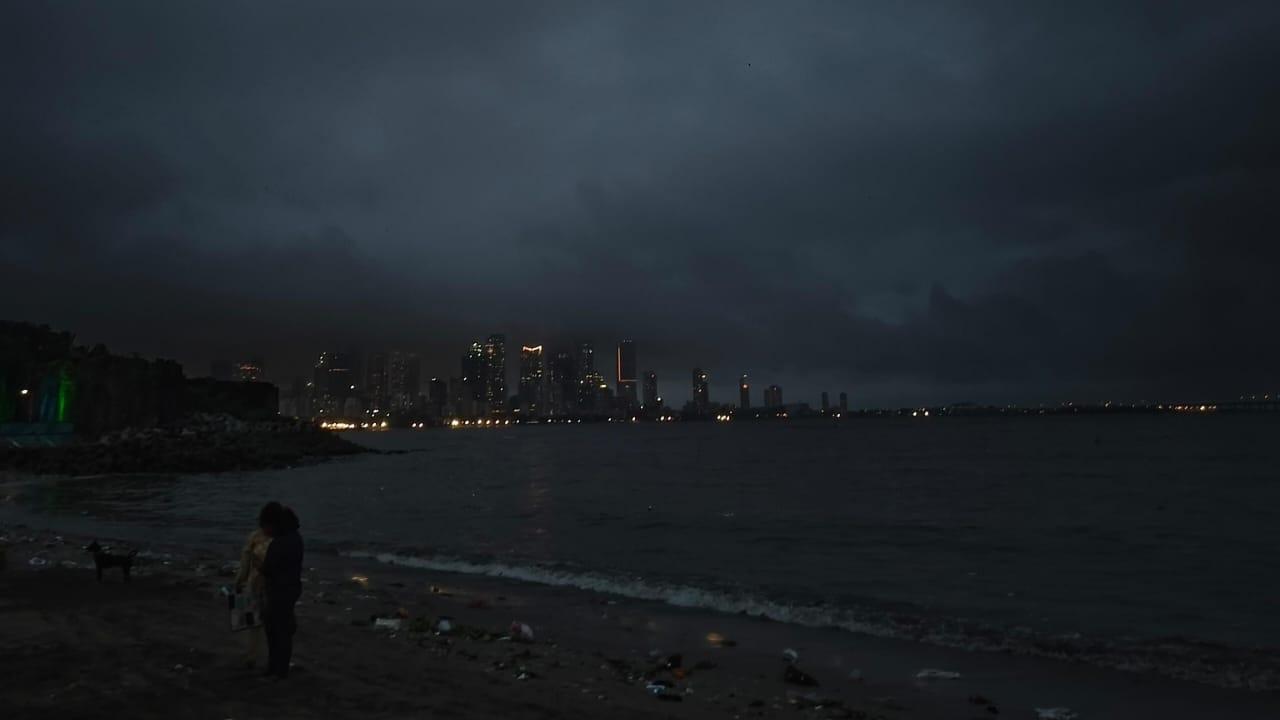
1124,540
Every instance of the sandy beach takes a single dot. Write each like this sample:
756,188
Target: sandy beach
159,647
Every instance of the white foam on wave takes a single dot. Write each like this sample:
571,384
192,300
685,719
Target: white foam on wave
675,594
1256,673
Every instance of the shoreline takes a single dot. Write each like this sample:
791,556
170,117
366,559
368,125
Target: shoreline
593,653
214,444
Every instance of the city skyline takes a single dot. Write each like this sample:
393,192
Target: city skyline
542,383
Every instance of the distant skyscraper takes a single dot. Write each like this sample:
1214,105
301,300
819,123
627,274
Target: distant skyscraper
594,395
651,399
332,383
773,397
532,379
701,392
375,381
437,392
586,360
249,370
404,380
564,382
473,372
844,403
744,393
495,372
587,383
826,404
626,366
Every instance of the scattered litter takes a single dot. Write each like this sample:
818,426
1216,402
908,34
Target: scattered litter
521,632
1056,713
932,674
663,690
361,580
444,625
790,655
715,639
37,562
796,676
387,623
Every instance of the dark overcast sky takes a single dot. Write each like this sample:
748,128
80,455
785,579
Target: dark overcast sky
914,202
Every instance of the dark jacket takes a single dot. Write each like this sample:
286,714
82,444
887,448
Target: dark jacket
282,568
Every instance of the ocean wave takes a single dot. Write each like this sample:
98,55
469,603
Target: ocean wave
1178,658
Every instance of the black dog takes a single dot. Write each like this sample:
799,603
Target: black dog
103,559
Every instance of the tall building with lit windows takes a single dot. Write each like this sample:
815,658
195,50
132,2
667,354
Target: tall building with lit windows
626,374
651,399
587,382
249,370
564,383
744,393
532,380
701,391
404,380
495,372
773,397
472,379
333,383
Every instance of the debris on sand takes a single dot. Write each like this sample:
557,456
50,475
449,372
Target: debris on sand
796,676
520,632
935,674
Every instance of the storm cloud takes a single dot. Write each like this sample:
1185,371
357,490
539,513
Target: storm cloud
913,202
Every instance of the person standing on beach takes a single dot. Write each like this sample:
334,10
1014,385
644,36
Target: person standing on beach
282,579
250,578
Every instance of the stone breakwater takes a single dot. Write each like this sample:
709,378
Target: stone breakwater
204,443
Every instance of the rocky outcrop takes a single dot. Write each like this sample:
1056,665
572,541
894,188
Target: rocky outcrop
200,443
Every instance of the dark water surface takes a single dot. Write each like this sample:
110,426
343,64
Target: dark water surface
1128,529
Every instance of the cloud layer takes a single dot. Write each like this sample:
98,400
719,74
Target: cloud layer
1020,202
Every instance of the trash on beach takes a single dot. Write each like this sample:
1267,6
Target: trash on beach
796,676
521,632
444,625
1056,713
790,655
663,690
37,562
715,639
934,674
387,623
361,580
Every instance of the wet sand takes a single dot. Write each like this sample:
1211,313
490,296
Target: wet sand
159,647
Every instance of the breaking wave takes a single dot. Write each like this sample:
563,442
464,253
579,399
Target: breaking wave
1178,658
